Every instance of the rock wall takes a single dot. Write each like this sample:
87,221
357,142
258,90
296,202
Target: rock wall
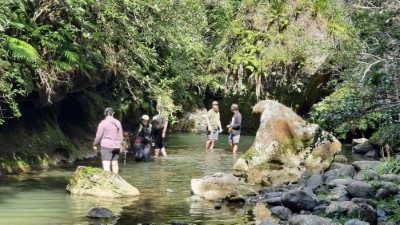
285,146
192,122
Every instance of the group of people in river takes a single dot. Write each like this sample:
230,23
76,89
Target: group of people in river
114,141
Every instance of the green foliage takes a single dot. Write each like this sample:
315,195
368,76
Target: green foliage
393,205
387,134
269,43
366,95
389,166
152,50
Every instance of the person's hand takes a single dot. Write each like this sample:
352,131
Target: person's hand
95,148
163,135
228,126
153,144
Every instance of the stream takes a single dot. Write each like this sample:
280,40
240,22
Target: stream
164,183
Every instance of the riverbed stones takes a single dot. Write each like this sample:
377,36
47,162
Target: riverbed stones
350,209
221,186
274,201
386,190
360,189
285,147
336,193
281,212
356,222
363,148
366,175
360,141
364,165
311,220
298,200
315,180
338,182
100,183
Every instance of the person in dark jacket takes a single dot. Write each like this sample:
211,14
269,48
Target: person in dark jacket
143,140
234,128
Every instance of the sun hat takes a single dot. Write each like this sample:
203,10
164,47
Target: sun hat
145,117
214,103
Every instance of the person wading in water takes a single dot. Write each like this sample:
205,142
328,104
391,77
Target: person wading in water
234,128
109,136
160,124
213,125
143,140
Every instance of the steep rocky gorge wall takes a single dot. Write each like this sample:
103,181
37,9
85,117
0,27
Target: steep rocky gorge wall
48,135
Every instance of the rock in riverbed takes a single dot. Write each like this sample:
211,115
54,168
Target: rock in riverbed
100,183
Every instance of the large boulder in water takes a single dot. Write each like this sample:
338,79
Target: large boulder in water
221,186
285,146
100,183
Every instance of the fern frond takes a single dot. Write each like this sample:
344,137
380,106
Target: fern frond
71,56
22,50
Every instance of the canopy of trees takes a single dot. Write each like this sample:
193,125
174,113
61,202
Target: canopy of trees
170,51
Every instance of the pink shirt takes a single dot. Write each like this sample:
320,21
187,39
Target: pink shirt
109,133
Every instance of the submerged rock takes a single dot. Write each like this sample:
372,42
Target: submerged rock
221,186
285,147
100,183
99,212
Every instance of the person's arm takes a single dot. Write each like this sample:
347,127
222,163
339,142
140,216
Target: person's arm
165,128
120,133
99,135
208,123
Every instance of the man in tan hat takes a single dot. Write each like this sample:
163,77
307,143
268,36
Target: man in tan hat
213,125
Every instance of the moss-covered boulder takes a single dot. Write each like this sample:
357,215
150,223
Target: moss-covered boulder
285,146
97,182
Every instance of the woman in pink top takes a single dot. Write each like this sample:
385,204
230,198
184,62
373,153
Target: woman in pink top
109,136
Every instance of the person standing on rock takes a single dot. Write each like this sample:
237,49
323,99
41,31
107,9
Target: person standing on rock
109,136
234,128
160,124
143,140
213,125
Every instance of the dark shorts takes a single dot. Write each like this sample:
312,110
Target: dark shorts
109,154
158,140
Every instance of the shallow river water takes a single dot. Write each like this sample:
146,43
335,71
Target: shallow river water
40,197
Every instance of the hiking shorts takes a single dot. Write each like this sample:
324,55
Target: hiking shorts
234,139
213,135
109,154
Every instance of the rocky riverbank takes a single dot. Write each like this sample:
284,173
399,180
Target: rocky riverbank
353,194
